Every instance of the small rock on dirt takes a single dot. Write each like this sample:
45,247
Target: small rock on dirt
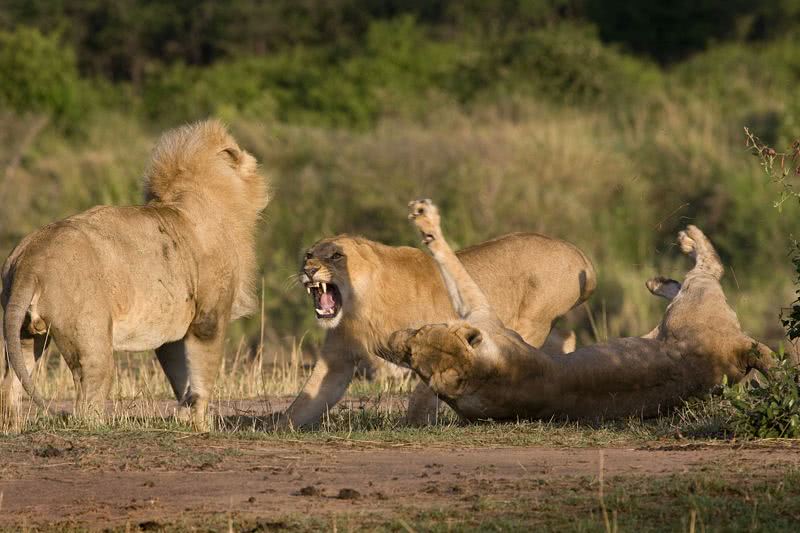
48,451
309,491
349,494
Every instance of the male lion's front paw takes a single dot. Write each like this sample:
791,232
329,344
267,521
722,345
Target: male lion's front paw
425,216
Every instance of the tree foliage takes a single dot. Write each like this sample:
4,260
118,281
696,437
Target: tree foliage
37,73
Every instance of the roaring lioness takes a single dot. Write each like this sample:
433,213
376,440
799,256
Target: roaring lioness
168,275
363,291
484,369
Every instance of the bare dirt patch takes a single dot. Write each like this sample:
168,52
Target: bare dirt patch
170,480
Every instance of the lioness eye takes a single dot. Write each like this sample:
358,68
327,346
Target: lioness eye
336,256
308,256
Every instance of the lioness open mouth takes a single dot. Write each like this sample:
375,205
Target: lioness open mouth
327,299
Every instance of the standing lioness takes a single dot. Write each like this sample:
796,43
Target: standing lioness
168,275
363,291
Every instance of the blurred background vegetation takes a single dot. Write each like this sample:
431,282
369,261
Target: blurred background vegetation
610,123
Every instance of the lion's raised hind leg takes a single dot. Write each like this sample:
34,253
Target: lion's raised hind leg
696,245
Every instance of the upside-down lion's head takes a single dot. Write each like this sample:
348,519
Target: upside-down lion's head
445,355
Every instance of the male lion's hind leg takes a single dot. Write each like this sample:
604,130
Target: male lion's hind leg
696,245
90,358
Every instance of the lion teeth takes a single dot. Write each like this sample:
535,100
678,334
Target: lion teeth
308,289
324,287
320,311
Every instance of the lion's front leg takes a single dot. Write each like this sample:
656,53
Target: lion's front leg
326,385
467,298
204,349
175,363
204,358
423,407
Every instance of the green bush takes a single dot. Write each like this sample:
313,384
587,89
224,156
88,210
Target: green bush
396,65
769,407
791,317
38,74
565,64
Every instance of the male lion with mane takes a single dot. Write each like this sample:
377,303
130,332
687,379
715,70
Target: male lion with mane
363,291
168,275
484,369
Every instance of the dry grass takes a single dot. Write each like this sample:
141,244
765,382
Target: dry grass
250,387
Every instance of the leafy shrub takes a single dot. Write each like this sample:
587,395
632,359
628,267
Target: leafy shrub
769,407
322,86
735,78
566,64
37,74
791,317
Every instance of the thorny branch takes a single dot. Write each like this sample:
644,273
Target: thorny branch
777,165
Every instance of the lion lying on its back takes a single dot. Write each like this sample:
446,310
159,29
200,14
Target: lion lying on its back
363,291
167,275
484,369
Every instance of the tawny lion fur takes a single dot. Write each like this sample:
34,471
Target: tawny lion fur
531,279
168,275
485,370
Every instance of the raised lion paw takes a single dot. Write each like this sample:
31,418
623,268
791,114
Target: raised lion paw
688,245
425,216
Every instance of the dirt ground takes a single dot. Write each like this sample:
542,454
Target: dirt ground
159,480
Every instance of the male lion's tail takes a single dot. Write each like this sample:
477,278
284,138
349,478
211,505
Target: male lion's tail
20,299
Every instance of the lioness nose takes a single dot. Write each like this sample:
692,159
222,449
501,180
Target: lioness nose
310,270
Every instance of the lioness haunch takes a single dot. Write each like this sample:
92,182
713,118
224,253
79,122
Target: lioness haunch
484,370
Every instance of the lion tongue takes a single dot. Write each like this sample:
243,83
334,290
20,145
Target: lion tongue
326,301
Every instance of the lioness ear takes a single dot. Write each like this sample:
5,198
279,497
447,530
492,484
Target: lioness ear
233,155
399,349
473,336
